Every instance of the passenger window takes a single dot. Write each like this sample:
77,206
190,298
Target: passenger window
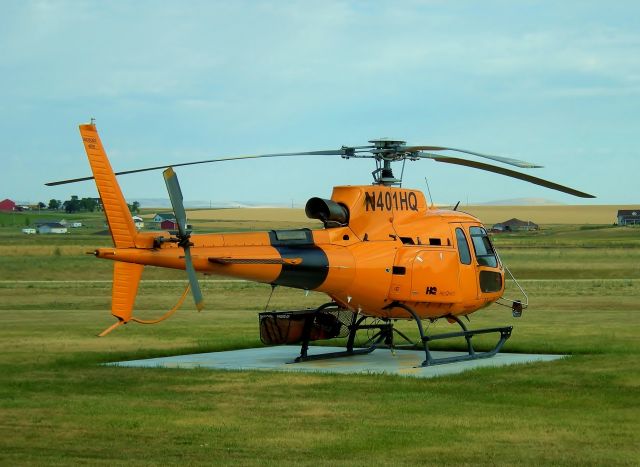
482,245
463,247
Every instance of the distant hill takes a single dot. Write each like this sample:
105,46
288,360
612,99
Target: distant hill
164,203
521,202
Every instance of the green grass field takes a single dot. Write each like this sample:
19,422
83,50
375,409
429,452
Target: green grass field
58,406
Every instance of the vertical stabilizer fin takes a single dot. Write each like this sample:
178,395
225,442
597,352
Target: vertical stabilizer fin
121,226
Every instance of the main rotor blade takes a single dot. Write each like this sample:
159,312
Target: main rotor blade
507,172
331,152
504,160
193,279
175,195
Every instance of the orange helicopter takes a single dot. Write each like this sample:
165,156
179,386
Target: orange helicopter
383,255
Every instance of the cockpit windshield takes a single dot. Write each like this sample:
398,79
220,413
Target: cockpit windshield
485,254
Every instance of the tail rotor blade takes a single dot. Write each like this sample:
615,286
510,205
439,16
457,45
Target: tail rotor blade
175,195
193,280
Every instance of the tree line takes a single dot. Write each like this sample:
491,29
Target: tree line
76,204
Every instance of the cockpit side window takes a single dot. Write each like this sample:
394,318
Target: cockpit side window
463,247
485,253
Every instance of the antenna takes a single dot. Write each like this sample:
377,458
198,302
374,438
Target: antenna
429,190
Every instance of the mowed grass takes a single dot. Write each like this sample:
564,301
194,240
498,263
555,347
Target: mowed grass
59,406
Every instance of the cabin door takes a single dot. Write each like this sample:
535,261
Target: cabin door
468,276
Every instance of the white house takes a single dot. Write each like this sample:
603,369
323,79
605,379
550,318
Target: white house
52,228
138,222
629,217
514,225
40,222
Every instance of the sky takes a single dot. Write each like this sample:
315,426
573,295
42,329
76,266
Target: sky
555,83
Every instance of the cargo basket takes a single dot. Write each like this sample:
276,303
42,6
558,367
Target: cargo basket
287,327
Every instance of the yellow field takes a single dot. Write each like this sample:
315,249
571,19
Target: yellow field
237,219
250,214
562,214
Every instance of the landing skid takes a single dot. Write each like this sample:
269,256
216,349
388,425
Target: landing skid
385,332
384,335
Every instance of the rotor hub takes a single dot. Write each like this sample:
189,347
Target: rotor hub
386,143
387,149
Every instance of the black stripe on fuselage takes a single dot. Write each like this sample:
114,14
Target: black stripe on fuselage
314,268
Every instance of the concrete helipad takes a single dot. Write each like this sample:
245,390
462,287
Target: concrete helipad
402,362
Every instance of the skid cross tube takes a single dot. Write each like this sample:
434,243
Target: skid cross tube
505,333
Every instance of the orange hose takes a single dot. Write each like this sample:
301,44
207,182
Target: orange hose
168,313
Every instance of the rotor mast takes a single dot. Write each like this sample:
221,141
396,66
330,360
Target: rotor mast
386,151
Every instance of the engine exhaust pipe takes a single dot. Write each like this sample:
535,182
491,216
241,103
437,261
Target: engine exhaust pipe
332,214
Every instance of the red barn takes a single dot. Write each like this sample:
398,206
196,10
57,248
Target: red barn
7,205
168,225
